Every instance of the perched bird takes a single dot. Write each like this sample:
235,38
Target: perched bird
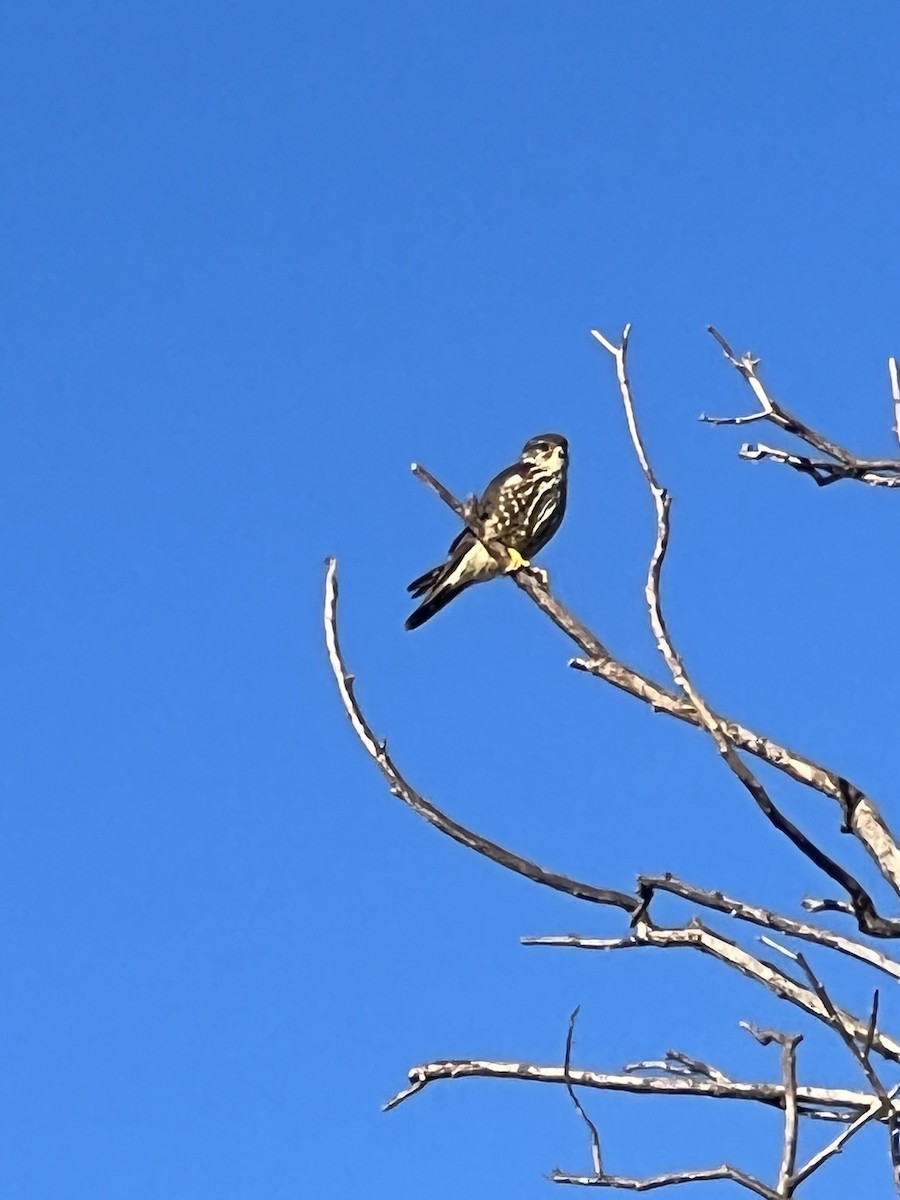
521,510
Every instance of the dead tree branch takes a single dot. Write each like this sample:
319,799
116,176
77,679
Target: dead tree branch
817,1103
377,750
696,936
671,1179
596,1155
648,884
839,462
788,1044
862,1054
874,1112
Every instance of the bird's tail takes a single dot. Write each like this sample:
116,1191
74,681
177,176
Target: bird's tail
430,579
440,597
467,564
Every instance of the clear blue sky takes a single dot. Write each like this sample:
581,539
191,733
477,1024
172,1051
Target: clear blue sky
257,258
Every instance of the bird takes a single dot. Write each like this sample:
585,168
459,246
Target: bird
520,511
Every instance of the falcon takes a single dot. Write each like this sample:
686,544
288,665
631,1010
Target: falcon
519,512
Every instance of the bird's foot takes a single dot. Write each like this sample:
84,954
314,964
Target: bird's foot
515,561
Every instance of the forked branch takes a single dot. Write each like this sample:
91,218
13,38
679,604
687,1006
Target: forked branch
838,463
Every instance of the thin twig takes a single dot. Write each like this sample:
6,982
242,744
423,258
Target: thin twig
788,1043
874,1112
596,1156
678,1063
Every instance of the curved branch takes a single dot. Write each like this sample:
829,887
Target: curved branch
839,464
377,750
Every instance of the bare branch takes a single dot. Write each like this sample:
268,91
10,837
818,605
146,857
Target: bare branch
791,1119
874,1112
377,750
788,1044
821,470
840,463
697,936
596,1156
850,1037
850,1032
671,1179
815,1102
861,816
678,1063
770,920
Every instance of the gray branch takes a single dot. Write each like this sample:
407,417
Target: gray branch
839,462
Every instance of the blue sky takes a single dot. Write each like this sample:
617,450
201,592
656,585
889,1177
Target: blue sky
257,259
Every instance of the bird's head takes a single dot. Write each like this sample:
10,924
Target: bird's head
549,451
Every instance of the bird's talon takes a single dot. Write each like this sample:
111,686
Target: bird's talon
516,562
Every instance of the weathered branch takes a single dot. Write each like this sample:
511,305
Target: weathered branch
839,462
874,1112
788,1044
676,1062
861,816
862,1054
815,1102
671,1179
697,936
377,750
596,1154
648,884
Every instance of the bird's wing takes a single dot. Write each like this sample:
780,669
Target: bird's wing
487,505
